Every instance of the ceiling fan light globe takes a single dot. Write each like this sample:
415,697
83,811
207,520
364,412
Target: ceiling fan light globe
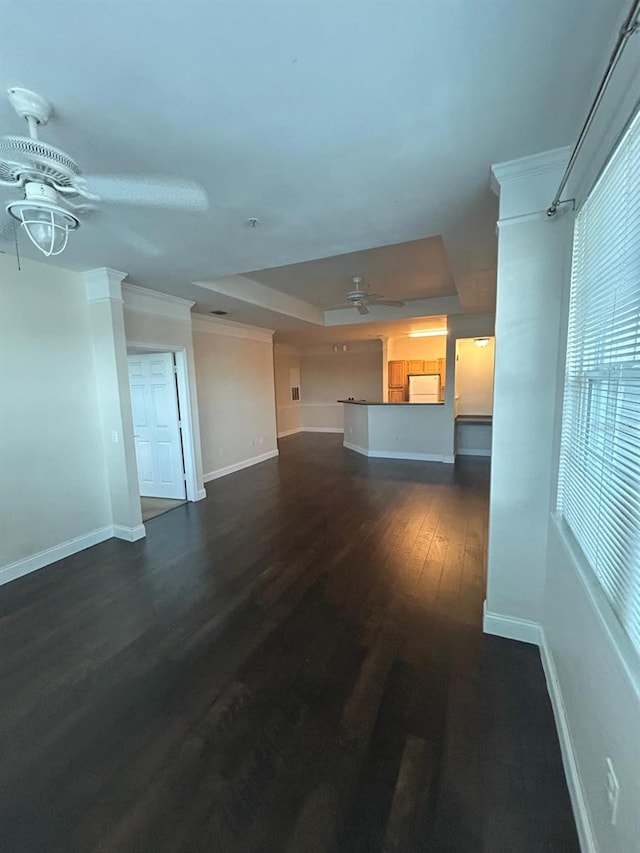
47,225
46,231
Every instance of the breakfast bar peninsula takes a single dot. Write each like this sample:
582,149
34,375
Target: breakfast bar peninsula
423,431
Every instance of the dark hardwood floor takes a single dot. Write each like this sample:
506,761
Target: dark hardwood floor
294,664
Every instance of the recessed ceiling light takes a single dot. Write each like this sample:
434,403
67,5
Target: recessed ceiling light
428,333
220,313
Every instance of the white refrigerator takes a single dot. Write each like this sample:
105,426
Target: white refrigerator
424,388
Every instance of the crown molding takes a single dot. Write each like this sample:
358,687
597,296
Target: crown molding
103,284
532,166
145,301
229,329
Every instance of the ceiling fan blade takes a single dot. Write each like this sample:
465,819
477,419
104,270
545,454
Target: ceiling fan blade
91,217
362,309
389,303
150,191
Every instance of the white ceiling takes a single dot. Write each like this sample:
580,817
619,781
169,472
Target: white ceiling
343,125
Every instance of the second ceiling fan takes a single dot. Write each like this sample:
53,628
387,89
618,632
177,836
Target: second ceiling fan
361,299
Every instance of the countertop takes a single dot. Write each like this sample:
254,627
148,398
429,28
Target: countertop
380,403
474,419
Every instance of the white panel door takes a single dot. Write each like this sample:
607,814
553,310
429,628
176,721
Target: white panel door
154,401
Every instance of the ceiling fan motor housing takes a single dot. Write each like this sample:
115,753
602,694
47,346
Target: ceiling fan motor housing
24,159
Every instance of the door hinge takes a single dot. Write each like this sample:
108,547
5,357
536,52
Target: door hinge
175,368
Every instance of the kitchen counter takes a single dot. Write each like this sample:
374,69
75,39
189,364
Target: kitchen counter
474,419
399,430
382,403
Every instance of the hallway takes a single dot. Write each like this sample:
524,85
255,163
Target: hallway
294,664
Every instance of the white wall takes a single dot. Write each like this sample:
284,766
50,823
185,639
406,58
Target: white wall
473,439
53,487
538,584
594,676
419,348
399,431
286,371
236,395
419,432
327,376
474,377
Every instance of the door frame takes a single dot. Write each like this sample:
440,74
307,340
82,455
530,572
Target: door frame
184,403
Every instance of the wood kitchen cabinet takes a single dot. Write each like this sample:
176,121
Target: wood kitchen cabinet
400,370
397,374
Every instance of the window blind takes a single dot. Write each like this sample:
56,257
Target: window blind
599,488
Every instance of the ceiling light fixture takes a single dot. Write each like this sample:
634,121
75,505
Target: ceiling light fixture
45,222
481,342
428,333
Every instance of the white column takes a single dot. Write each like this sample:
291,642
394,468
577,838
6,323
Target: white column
533,253
104,295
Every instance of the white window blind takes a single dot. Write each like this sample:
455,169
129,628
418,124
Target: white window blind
599,494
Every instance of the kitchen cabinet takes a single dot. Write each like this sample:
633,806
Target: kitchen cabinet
397,374
400,370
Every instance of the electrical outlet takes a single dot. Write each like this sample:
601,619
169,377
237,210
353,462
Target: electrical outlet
220,452
261,439
613,791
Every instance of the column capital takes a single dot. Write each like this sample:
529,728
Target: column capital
526,186
103,284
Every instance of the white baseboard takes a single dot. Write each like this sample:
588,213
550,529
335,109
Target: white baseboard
309,429
52,555
238,466
511,628
576,791
470,452
129,534
289,432
391,454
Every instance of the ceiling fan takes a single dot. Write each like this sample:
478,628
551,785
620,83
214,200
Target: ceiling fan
361,299
55,195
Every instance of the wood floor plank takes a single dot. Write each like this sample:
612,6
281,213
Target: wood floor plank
415,777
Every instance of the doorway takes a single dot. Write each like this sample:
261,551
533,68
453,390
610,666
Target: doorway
157,425
474,396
